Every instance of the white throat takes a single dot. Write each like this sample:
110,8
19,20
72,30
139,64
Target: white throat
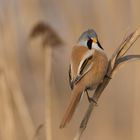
94,45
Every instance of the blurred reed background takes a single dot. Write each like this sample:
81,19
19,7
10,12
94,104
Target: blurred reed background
33,78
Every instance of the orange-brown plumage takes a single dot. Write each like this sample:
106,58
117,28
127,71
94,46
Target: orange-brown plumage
90,65
75,98
100,63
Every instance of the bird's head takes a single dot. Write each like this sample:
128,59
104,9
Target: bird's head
89,39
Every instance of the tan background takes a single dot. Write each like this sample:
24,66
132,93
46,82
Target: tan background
22,98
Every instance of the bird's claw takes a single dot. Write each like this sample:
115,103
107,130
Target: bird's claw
92,100
106,76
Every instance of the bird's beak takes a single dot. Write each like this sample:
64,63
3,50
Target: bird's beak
94,40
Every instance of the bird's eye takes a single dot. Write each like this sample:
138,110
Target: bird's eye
89,43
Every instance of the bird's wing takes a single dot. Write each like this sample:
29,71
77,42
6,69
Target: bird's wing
77,91
84,67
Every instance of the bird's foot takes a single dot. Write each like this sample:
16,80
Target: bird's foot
92,100
106,76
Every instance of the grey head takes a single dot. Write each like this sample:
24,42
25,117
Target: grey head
89,39
90,33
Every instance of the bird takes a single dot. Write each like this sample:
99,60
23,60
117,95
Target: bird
87,69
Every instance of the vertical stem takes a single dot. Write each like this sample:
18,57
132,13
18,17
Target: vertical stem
20,103
48,114
7,120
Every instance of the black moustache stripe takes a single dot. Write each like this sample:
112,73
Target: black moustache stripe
99,45
89,43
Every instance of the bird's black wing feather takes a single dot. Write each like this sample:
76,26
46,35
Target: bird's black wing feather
70,79
85,67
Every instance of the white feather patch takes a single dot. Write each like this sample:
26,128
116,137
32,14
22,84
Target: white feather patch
87,55
95,46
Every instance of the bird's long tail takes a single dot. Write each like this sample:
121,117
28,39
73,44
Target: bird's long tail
75,98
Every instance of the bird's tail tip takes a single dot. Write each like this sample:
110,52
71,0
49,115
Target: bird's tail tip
75,98
64,122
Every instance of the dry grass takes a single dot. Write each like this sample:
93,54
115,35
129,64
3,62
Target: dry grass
15,112
25,64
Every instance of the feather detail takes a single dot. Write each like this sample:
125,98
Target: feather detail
70,79
79,77
75,98
87,56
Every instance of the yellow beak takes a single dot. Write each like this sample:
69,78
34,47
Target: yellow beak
94,40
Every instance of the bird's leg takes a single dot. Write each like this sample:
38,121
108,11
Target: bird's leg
89,98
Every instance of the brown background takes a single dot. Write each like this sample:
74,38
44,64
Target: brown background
22,98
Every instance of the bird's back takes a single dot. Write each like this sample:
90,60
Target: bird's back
99,65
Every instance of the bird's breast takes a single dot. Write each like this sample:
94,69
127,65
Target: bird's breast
98,70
